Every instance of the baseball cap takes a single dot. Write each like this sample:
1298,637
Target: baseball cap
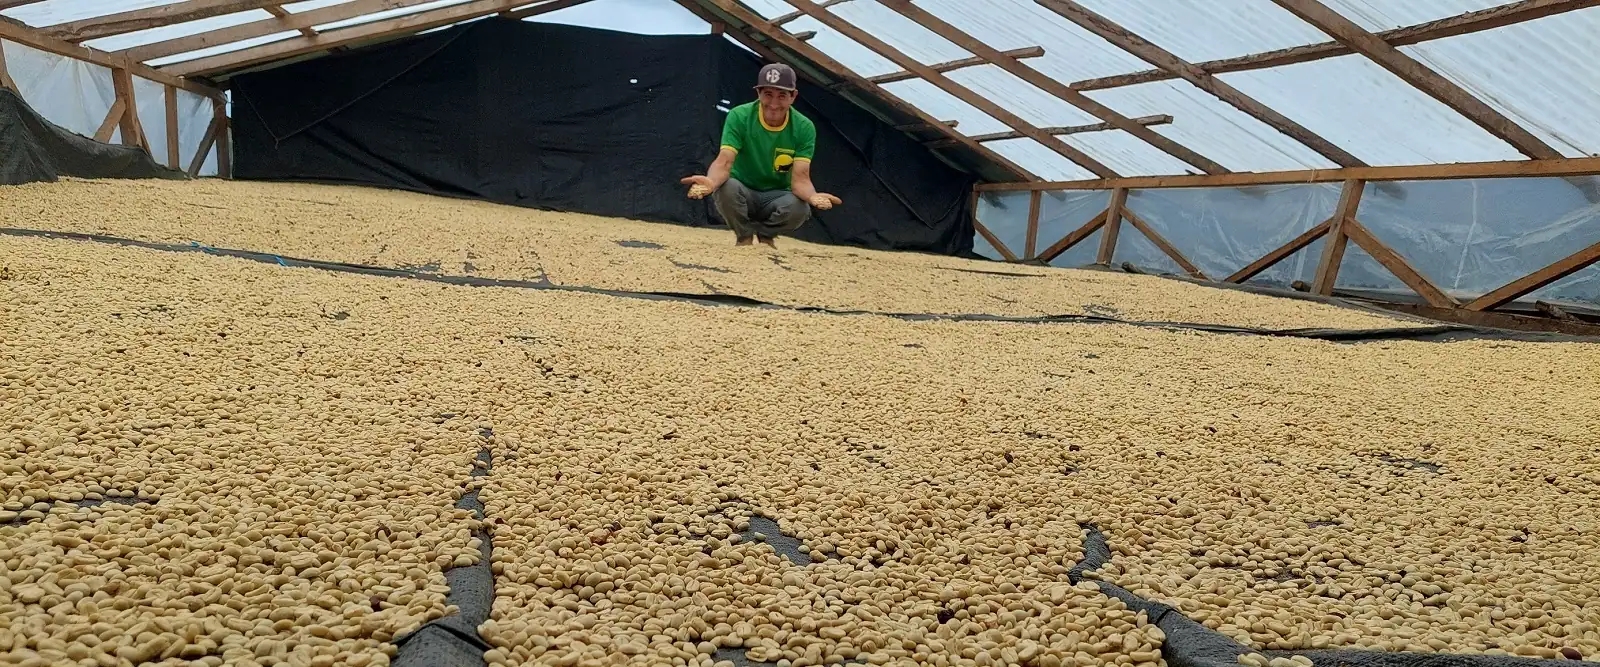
776,75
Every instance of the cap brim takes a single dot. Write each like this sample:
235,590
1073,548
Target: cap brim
759,86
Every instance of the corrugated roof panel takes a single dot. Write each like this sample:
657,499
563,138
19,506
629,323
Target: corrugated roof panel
1129,155
899,32
1034,157
223,48
848,52
1020,97
1071,54
1540,74
1362,108
944,106
1199,30
1212,128
1381,15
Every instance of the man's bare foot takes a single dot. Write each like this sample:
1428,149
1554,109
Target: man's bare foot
769,242
745,240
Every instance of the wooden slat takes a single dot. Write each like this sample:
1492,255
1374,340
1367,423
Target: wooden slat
1062,130
1108,240
1073,238
151,17
206,142
953,65
277,11
924,126
296,46
1397,265
301,21
1419,76
1033,223
1333,250
1281,253
173,160
736,11
1164,59
1499,169
1460,24
1043,82
795,15
961,92
1162,243
16,32
113,119
1511,291
994,241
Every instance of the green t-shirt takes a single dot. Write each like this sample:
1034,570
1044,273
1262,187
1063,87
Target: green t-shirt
766,154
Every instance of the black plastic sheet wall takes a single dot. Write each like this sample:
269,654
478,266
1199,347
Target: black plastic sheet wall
33,149
577,119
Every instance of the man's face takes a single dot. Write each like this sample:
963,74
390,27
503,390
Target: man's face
776,100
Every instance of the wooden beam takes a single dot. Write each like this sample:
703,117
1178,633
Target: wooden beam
806,35
132,129
794,15
1164,59
959,91
277,11
953,65
1033,223
1460,24
219,115
135,20
994,241
399,25
1584,166
1397,265
5,75
1419,76
113,119
733,9
925,126
8,4
1281,253
1333,251
1060,90
545,8
299,22
22,34
1162,243
1073,238
173,160
1113,228
1065,129
1511,291
206,142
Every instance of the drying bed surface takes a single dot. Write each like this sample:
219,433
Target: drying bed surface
297,440
461,237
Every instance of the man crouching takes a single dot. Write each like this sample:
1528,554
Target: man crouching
762,176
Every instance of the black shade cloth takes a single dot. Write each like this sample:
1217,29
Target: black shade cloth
33,149
577,119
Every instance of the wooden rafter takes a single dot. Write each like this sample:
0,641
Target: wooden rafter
959,91
795,15
1419,76
399,25
1065,129
953,65
1164,59
1043,82
1582,166
733,9
22,34
1511,291
293,22
150,17
1461,24
277,11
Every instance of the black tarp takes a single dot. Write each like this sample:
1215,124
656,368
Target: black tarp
33,149
576,119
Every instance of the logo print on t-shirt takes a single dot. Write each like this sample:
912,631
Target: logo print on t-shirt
783,161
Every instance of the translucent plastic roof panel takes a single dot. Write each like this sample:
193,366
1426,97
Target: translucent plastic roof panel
1381,15
55,12
1200,30
1070,53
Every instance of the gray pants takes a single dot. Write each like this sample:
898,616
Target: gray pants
759,213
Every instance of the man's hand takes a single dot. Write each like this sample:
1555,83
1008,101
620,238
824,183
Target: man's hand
824,201
699,186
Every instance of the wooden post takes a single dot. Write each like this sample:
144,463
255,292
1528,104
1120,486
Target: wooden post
1108,240
5,75
1333,253
173,160
224,142
132,131
1033,222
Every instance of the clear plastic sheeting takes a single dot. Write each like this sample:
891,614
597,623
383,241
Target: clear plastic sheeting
1222,230
1472,236
1005,214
